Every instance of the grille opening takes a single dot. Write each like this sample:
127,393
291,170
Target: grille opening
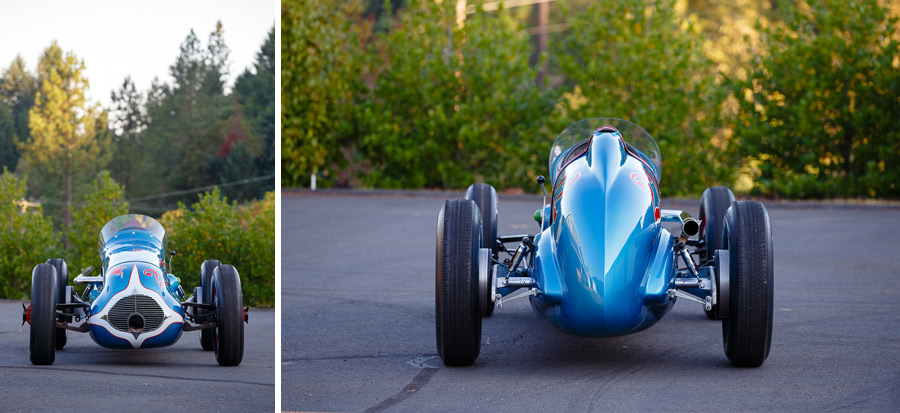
135,323
136,314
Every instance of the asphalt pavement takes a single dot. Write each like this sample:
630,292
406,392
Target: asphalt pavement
358,322
182,377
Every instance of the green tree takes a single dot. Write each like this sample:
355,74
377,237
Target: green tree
234,159
321,74
183,117
636,60
26,238
454,102
128,122
9,156
819,112
17,90
105,201
68,139
255,92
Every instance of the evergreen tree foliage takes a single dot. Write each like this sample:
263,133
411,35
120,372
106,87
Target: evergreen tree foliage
234,160
17,90
183,116
9,156
68,141
819,112
128,122
255,92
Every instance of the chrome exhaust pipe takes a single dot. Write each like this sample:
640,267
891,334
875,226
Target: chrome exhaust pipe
690,226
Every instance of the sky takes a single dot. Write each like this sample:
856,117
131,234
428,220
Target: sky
117,38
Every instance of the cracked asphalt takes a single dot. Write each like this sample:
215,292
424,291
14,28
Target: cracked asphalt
182,377
358,311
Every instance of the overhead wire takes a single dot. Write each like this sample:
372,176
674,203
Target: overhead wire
171,193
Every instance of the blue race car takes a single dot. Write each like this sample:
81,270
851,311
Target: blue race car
602,264
134,302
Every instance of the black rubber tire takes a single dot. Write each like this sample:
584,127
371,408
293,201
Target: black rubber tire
713,204
229,331
207,336
485,196
457,316
747,332
42,342
62,280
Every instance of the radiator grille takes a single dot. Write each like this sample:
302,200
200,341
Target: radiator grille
138,303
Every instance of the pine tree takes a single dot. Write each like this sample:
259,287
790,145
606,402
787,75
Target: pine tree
256,98
17,90
182,116
128,123
68,134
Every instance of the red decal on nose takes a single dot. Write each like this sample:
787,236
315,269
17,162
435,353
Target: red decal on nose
116,271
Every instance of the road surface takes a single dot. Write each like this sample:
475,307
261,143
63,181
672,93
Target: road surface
182,377
358,332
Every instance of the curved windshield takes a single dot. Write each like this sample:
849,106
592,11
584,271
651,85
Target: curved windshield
632,134
135,221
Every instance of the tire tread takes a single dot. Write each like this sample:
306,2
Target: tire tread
458,322
42,340
229,339
748,330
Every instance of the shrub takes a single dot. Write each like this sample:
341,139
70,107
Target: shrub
818,112
321,75
26,238
243,236
454,103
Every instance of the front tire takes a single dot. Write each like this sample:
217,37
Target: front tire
42,342
207,336
62,280
229,331
457,315
713,204
747,331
